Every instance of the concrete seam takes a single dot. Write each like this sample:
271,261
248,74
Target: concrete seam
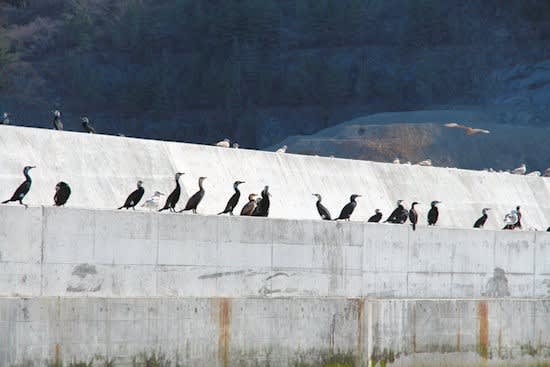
408,262
156,267
534,263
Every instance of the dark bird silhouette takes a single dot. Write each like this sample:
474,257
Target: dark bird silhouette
262,207
399,214
174,196
87,126
548,229
323,212
23,189
348,209
519,214
62,193
433,214
133,199
413,215
481,221
57,124
376,217
195,200
249,207
233,200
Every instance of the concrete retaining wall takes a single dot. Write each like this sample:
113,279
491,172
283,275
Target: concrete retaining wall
75,252
102,170
274,332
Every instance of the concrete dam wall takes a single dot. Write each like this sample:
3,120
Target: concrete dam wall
100,253
87,282
102,170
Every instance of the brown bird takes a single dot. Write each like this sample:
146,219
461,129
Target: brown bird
249,207
469,130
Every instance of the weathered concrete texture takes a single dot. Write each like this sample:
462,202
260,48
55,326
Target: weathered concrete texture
103,170
75,252
273,332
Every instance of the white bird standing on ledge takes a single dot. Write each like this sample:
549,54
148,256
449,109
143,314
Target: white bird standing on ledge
153,202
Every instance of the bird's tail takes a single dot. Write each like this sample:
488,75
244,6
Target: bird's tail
221,212
414,226
164,208
121,207
5,202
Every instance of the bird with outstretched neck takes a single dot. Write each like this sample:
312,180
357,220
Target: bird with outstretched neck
481,220
323,212
23,189
195,200
174,196
233,200
348,209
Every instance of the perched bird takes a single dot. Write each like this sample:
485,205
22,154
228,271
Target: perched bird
62,193
433,214
348,209
520,170
86,125
518,222
548,229
23,189
249,207
546,172
534,173
399,214
323,212
282,149
153,202
57,124
5,119
195,200
233,200
510,220
413,215
469,130
174,196
426,163
376,217
396,161
481,221
224,143
236,145
262,206
134,198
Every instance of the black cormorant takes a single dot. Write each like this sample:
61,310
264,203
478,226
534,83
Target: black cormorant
348,209
23,189
5,119
433,214
174,196
376,217
233,200
262,207
57,124
323,212
249,207
62,193
481,221
133,199
518,223
399,214
413,215
195,200
548,229
86,125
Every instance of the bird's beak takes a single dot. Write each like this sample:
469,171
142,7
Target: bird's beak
32,167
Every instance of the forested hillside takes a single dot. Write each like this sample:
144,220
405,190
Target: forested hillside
255,70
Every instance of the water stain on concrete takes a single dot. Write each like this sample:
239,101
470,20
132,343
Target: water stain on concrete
483,319
222,274
497,285
85,278
225,330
